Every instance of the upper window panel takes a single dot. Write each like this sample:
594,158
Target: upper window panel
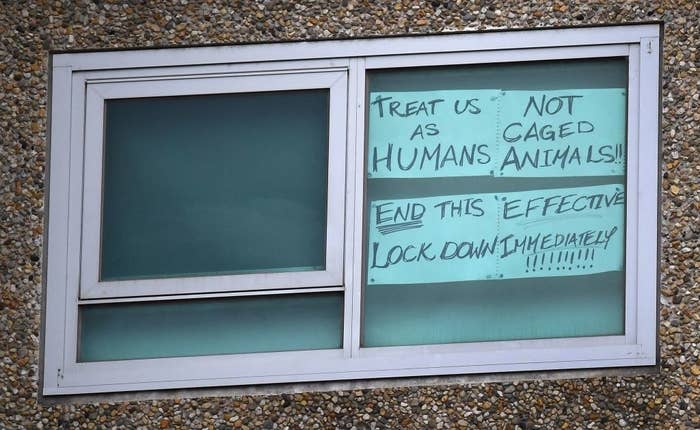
213,184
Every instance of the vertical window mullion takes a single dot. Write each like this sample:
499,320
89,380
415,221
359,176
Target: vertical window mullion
356,199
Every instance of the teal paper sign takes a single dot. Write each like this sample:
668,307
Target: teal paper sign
498,133
540,233
435,133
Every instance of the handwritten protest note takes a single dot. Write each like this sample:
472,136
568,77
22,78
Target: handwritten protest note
538,233
497,133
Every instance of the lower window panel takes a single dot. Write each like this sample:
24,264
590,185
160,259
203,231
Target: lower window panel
497,310
208,327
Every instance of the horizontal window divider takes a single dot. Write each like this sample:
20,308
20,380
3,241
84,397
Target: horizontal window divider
219,284
214,75
486,346
281,67
248,293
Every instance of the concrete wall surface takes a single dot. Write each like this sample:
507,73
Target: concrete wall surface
668,399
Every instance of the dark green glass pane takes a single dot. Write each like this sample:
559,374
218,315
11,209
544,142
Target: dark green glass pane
510,309
206,327
230,183
541,75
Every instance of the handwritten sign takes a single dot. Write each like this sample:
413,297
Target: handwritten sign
540,233
498,133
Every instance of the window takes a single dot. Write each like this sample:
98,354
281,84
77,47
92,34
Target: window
213,183
459,203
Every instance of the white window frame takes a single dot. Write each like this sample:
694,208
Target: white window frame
72,73
98,91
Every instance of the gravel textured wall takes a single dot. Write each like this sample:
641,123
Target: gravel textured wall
28,30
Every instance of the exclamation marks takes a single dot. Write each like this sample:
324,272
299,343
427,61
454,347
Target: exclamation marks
580,258
619,154
584,258
537,261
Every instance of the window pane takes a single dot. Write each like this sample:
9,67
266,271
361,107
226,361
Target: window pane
495,202
206,327
231,183
494,310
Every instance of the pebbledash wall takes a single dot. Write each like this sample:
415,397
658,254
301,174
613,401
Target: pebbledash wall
667,398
